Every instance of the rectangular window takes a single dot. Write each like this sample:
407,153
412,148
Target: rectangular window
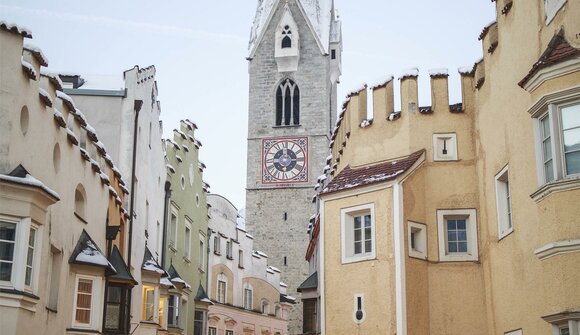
221,291
216,245
309,323
229,247
84,296
187,243
229,332
116,307
148,303
173,228
173,311
503,203
7,246
201,253
570,117
457,230
417,240
333,54
548,162
199,323
30,257
241,259
358,233
212,331
248,298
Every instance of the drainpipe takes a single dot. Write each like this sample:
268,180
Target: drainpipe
399,243
165,213
137,107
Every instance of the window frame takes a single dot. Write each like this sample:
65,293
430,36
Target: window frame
248,301
187,240
201,258
123,311
240,258
470,216
172,229
552,111
222,279
503,201
217,245
96,299
155,303
174,321
417,252
229,249
347,233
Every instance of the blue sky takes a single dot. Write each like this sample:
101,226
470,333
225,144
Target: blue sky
199,49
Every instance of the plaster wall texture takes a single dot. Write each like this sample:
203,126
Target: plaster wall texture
150,170
265,205
246,321
254,270
189,199
343,281
32,144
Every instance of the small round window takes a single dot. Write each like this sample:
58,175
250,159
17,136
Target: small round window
182,182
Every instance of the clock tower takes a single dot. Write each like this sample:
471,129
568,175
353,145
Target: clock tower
294,66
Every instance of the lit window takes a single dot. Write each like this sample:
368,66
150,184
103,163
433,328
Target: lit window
503,203
457,235
148,303
358,233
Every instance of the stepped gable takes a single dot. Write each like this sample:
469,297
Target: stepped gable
361,176
558,50
318,12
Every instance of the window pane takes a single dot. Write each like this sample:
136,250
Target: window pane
114,294
572,140
368,245
460,224
451,224
357,222
549,171
462,235
5,271
452,235
85,286
367,233
545,127
83,316
7,231
367,220
6,251
573,163
357,235
570,116
357,247
462,246
452,247
112,320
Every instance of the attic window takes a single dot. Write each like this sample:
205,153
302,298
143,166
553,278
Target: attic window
286,39
333,54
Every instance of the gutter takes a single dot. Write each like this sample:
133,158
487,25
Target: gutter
137,107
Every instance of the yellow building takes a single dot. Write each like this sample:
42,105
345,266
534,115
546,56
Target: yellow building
462,218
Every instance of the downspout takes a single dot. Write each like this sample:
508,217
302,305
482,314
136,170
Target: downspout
321,271
399,243
137,107
165,213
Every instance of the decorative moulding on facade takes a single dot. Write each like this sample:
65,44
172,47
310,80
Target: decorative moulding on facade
557,248
555,187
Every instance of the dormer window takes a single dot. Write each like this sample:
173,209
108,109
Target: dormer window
287,37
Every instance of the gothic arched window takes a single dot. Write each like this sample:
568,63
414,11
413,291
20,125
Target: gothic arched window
287,37
287,104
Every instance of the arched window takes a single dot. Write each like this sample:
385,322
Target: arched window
287,38
287,104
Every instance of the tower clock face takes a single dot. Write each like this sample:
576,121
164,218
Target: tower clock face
285,160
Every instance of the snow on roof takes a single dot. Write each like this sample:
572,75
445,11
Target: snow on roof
54,78
92,255
438,72
248,235
180,281
151,265
37,52
165,282
366,123
318,12
465,69
179,158
412,72
261,253
29,180
170,168
102,82
182,134
67,99
274,269
283,284
45,95
321,178
12,27
382,82
70,133
29,68
185,147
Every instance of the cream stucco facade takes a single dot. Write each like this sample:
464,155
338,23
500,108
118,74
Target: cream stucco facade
472,208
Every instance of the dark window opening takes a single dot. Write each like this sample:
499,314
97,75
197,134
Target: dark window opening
333,54
285,216
285,261
116,311
287,104
286,42
309,322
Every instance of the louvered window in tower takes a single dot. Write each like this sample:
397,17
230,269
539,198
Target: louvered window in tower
287,37
287,104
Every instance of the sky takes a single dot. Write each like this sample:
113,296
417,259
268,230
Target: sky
199,49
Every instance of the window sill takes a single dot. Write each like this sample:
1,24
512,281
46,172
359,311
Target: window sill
217,253
505,234
458,258
554,187
229,257
240,267
18,299
82,331
356,259
288,126
417,255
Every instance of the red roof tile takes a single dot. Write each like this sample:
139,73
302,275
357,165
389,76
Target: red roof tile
350,178
558,51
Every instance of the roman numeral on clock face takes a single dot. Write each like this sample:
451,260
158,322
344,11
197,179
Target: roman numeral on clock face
284,160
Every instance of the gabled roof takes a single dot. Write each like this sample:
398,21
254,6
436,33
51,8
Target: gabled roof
150,264
318,14
310,283
20,176
350,178
558,50
86,252
175,278
201,296
13,28
123,274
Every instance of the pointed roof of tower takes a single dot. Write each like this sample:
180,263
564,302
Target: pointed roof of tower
319,16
